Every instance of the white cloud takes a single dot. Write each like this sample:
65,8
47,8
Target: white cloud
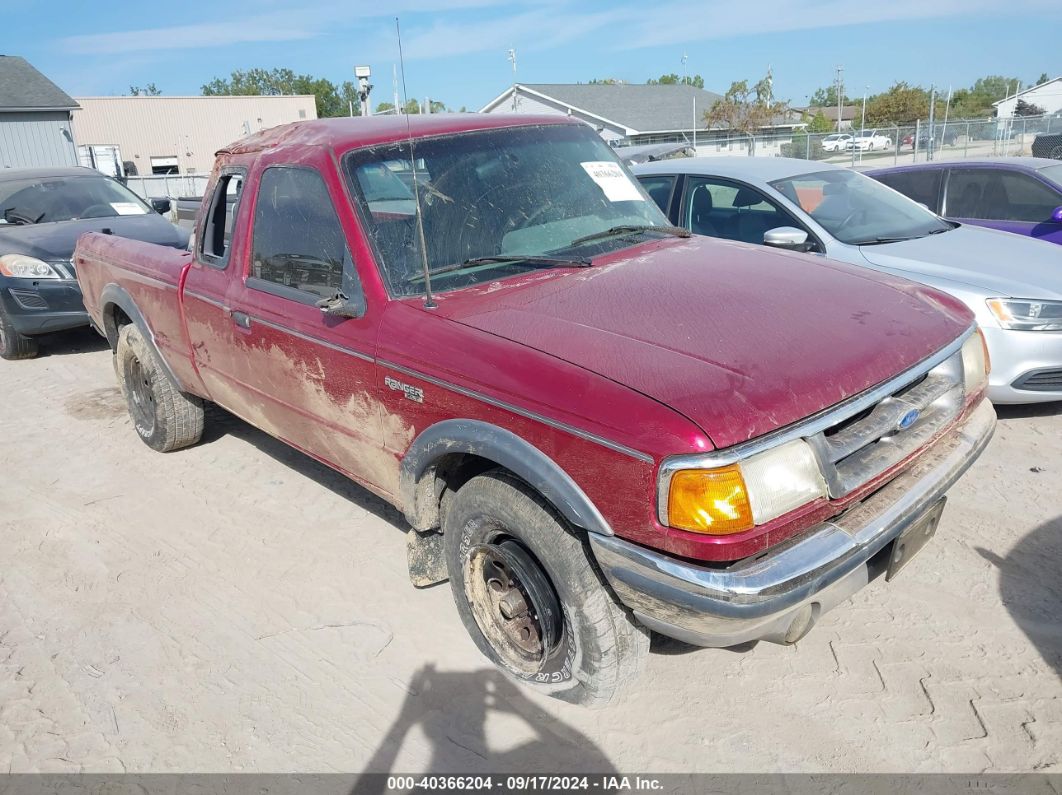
282,25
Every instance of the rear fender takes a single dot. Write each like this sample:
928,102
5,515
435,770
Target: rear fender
113,295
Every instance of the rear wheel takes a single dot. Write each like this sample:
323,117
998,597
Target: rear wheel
164,418
12,344
530,597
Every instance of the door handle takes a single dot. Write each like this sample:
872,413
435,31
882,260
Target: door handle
241,319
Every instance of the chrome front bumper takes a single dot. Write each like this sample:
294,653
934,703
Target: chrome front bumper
780,594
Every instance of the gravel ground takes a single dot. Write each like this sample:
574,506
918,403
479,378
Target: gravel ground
238,607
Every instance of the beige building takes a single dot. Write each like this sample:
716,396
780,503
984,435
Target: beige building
179,135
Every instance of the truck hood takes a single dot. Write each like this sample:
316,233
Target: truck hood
56,241
1001,263
739,339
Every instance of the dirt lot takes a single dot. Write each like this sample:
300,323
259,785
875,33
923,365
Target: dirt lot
237,607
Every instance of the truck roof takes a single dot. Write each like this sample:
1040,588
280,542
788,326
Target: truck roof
350,132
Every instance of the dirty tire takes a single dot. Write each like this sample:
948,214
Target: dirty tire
600,647
12,344
164,418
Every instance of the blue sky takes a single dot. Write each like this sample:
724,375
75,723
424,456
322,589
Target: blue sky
456,49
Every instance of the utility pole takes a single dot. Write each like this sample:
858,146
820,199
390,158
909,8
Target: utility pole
932,129
840,93
685,79
512,60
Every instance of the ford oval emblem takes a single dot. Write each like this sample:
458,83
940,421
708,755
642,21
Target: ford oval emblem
908,419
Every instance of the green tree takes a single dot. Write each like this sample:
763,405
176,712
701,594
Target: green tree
150,90
819,123
606,81
1023,108
385,107
901,104
745,108
673,79
330,100
826,97
1043,78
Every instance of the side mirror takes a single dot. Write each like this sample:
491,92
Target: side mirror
787,237
161,206
341,306
1056,216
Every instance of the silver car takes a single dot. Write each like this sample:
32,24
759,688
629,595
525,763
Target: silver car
1012,284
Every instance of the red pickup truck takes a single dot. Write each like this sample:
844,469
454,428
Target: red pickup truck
595,424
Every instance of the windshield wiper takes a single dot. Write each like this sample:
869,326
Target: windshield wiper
877,241
530,259
630,229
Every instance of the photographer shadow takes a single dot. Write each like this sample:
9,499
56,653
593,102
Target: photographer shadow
452,711
1030,590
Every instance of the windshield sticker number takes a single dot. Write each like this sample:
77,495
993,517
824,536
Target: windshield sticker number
127,208
615,184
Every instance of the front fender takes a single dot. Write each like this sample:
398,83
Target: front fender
472,437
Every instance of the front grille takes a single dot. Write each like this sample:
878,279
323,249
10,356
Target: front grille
1042,381
860,447
28,300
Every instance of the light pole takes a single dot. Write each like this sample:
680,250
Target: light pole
512,59
363,73
863,122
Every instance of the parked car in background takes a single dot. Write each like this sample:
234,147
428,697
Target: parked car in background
1048,145
1015,194
589,418
868,141
947,137
836,142
1012,284
42,214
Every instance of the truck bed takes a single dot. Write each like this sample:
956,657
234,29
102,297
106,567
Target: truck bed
149,275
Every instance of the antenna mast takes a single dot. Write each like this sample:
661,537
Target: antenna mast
429,302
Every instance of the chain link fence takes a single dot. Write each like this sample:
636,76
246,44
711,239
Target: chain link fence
899,144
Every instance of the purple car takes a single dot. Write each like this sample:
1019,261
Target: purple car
1016,194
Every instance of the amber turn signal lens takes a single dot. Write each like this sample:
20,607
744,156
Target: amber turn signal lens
712,501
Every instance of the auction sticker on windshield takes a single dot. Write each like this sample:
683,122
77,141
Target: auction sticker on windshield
127,208
616,185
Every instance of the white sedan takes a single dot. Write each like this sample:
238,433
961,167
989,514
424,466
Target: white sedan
836,142
869,141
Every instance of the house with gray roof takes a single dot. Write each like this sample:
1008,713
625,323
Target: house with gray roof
35,118
629,112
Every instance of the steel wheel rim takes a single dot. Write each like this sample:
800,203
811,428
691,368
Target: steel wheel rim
142,398
514,604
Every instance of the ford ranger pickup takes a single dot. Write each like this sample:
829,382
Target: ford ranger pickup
595,424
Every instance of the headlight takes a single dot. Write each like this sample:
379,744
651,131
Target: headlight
1023,314
23,267
734,498
976,364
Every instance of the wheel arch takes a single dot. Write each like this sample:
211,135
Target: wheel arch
119,309
452,451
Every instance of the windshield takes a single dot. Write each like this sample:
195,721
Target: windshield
49,199
501,195
858,210
1053,173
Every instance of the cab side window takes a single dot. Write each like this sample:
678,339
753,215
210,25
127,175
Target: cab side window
217,229
299,250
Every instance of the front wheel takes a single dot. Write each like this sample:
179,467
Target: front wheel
14,345
530,596
165,419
